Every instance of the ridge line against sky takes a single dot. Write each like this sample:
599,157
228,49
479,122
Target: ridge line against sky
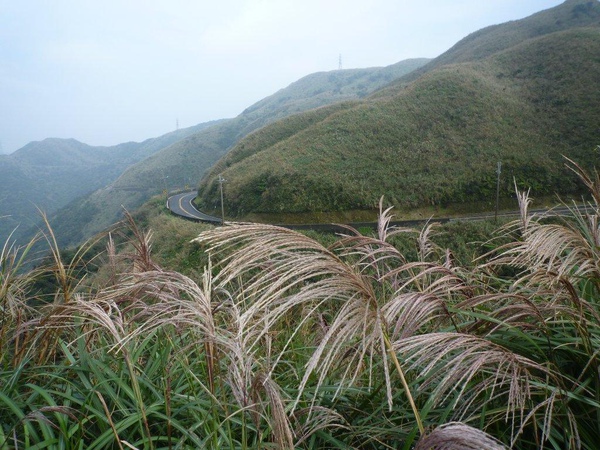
113,71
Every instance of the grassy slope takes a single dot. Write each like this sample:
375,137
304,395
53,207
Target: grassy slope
185,162
324,88
434,141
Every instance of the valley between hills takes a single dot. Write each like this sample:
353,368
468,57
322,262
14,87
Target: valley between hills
425,134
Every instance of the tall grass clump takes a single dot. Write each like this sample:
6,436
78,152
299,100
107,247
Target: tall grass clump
399,347
285,342
148,359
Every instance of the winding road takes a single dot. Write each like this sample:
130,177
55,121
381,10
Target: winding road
181,205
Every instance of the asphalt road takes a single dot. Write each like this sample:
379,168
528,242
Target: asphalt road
181,205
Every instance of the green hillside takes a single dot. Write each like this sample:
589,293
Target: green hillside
325,88
185,162
435,141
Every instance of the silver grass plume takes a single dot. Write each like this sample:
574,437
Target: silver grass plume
458,436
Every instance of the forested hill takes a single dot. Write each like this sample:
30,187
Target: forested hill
437,140
49,174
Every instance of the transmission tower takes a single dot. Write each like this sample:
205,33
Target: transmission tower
340,62
177,124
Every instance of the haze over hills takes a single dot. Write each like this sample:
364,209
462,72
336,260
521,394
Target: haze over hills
523,93
51,173
185,162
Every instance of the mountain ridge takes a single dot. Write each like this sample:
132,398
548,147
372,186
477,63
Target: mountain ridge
494,38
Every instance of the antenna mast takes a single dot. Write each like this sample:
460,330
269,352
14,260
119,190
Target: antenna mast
221,181
340,62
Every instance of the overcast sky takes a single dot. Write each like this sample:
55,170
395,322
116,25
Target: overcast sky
111,71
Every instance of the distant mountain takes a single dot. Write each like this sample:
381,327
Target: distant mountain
185,162
51,173
523,93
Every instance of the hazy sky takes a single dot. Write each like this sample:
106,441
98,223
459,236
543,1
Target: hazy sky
110,71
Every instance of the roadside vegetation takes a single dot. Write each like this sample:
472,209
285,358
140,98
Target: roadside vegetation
281,340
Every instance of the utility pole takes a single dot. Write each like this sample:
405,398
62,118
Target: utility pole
498,172
165,189
221,181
